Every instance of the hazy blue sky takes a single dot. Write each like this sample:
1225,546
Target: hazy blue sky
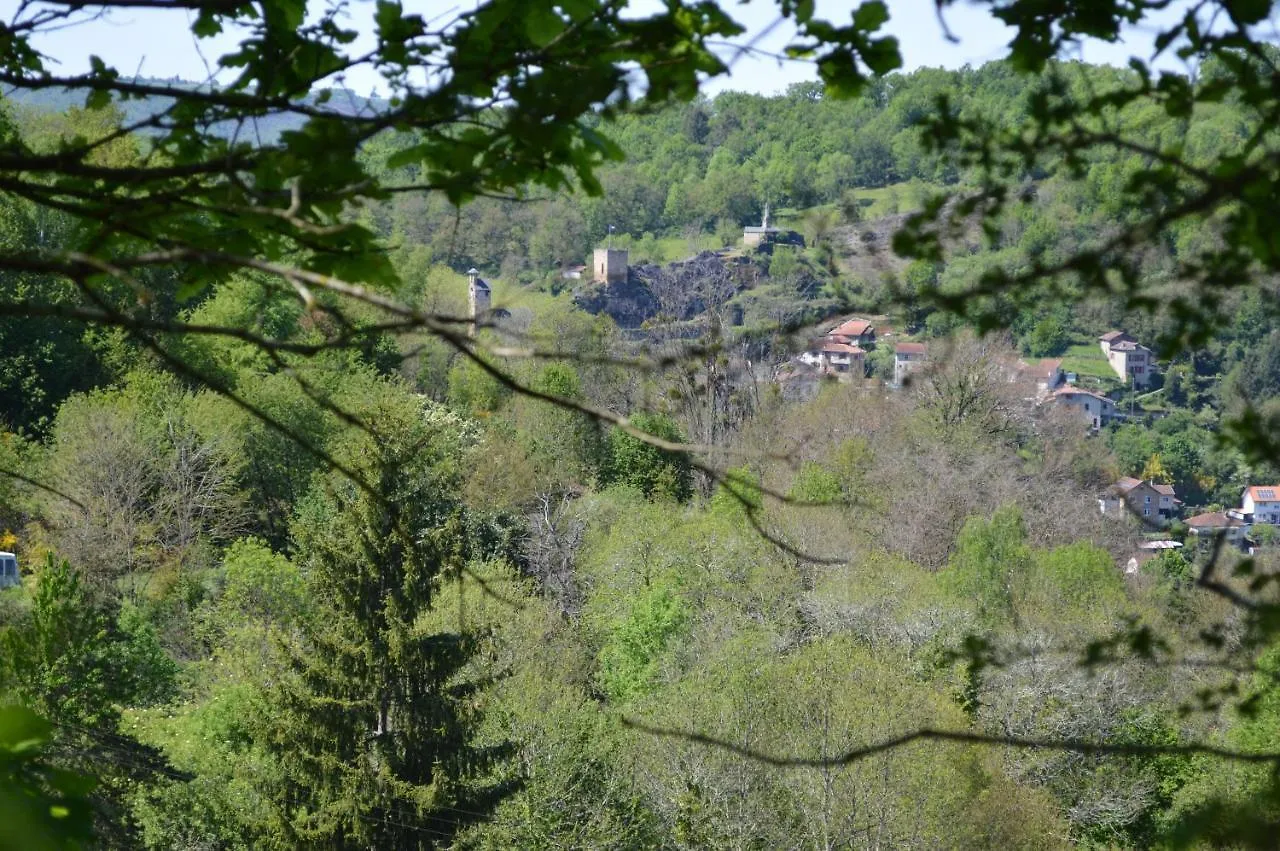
159,43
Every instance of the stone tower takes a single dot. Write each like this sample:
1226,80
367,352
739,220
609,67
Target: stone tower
609,265
479,297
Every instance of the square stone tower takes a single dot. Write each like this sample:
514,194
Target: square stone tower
609,264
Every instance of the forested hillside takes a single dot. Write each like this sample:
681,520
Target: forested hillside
378,568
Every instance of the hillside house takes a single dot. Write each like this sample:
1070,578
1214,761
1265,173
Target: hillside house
1261,504
832,357
1129,359
753,236
9,570
1153,502
854,332
1097,409
1216,523
1044,375
907,358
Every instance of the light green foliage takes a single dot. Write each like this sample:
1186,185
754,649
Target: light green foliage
990,555
473,390
1133,447
738,494
1048,337
73,660
1078,578
1234,804
823,699
259,588
564,445
70,660
630,658
815,484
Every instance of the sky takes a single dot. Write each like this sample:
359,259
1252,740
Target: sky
158,43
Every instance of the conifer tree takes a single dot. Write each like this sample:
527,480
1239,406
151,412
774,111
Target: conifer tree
372,732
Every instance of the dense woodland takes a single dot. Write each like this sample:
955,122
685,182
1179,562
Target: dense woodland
242,643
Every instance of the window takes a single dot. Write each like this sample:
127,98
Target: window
1147,499
1146,512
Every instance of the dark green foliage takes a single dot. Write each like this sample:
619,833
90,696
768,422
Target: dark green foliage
42,807
372,730
657,473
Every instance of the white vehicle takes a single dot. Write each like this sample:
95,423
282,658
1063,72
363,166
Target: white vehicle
9,570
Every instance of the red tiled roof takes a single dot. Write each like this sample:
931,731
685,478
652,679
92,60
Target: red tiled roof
1213,520
1112,335
841,348
1166,490
910,349
852,328
1256,491
1127,484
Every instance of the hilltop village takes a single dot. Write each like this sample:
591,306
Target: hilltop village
1117,389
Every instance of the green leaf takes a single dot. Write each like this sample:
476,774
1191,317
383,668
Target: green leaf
870,16
542,24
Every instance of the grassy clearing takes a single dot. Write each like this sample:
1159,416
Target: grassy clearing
1087,359
874,203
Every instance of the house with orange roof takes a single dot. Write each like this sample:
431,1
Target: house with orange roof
854,332
1261,503
1214,523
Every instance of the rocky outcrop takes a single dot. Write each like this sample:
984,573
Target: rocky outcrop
628,302
677,291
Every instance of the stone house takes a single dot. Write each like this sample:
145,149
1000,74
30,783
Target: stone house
1129,359
1152,501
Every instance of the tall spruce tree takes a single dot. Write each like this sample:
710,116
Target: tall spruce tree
373,730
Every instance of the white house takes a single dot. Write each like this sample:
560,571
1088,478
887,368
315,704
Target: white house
907,358
9,570
1261,503
1094,407
1129,359
830,356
